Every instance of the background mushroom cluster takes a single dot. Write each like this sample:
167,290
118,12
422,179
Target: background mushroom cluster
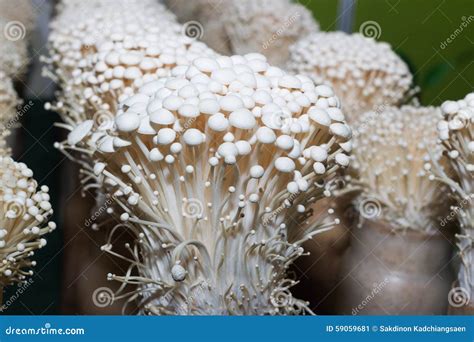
233,158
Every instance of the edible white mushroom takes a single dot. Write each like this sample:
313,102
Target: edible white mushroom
24,213
456,136
391,153
214,197
365,74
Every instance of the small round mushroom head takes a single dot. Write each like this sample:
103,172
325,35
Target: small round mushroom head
392,153
365,74
208,166
23,220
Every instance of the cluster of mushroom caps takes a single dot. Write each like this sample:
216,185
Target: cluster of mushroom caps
211,167
216,163
24,208
366,74
101,52
238,146
239,27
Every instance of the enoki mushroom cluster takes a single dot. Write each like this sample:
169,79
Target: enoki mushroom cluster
24,210
456,134
267,26
8,102
245,26
102,55
208,166
392,151
367,75
101,52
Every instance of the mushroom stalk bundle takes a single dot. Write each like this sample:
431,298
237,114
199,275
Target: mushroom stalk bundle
392,153
367,75
212,170
456,134
239,27
24,213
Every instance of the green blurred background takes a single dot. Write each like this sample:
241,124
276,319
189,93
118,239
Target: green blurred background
417,30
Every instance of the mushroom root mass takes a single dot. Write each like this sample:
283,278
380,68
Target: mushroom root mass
213,169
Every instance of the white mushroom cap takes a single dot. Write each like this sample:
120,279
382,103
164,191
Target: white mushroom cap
364,73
